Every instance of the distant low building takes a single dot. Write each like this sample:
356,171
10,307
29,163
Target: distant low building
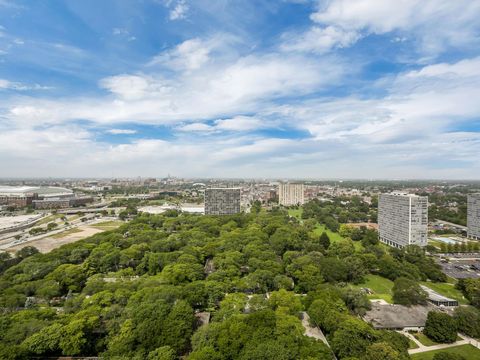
22,196
437,299
473,216
403,219
222,201
51,204
62,203
18,200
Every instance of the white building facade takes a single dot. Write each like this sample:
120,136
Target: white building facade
291,194
403,219
473,216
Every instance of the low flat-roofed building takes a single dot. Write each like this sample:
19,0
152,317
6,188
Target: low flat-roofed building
438,299
51,204
18,200
397,317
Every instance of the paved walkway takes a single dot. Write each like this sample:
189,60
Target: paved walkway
422,348
312,331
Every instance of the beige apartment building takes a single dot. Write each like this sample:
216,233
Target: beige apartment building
291,194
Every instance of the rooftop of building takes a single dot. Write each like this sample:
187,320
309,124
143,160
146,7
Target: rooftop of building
223,188
399,193
40,190
433,295
388,316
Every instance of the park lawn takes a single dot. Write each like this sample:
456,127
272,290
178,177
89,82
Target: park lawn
412,344
424,339
296,213
435,243
446,289
334,237
467,351
380,286
107,225
65,233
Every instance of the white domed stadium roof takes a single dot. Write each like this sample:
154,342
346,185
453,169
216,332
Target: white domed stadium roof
43,191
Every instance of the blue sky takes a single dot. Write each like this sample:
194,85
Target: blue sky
278,89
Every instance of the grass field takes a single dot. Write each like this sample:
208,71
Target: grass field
435,243
334,237
107,225
65,233
467,351
296,213
412,344
381,287
446,289
424,339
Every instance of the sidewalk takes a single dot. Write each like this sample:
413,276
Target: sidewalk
422,348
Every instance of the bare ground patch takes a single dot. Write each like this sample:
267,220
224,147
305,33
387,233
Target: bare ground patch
48,243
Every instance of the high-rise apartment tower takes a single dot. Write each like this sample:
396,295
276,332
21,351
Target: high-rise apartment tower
291,194
473,216
222,201
403,219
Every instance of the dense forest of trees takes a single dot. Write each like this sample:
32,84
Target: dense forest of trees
136,292
448,207
341,209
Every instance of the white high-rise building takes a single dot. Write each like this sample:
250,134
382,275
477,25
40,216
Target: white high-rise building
291,194
473,216
403,219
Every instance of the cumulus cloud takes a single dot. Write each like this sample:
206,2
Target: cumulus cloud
134,87
227,88
417,123
458,19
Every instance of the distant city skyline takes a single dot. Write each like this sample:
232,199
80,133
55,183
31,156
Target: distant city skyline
292,89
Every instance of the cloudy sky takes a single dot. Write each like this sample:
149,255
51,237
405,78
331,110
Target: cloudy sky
218,88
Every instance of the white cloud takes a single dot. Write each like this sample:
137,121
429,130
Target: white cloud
219,90
122,32
318,39
179,10
237,123
240,123
195,127
134,87
189,55
435,23
11,85
121,131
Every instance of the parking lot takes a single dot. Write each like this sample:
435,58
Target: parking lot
461,266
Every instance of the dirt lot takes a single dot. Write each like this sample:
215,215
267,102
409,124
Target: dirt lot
49,243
